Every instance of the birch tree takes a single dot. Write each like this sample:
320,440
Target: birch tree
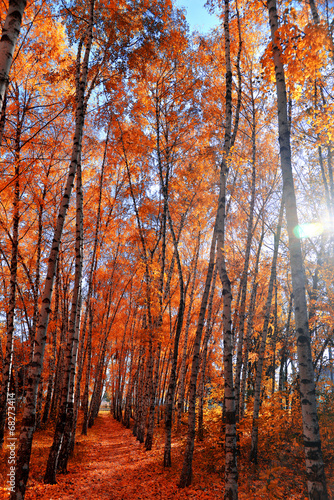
10,34
29,414
316,480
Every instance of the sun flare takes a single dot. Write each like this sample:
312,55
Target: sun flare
309,230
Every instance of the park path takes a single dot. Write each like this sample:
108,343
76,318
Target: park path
110,464
101,468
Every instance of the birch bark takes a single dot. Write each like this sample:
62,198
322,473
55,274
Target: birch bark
29,414
186,473
231,469
8,361
317,488
10,33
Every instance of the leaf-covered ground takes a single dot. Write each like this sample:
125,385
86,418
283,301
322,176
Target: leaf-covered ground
109,464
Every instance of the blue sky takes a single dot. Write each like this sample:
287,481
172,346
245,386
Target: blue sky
198,17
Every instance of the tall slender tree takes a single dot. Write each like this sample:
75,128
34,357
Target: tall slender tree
29,415
10,34
317,488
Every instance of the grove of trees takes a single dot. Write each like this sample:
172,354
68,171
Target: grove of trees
166,224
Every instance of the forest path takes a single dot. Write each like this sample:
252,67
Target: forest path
110,464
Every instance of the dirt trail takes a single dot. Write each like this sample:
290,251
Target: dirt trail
110,464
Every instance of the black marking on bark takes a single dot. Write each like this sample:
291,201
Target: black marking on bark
5,38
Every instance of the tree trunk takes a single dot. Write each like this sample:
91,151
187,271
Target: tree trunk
129,394
231,469
180,406
258,381
283,373
164,183
8,361
67,401
88,311
85,398
186,473
138,390
29,415
250,327
317,488
74,330
3,118
274,341
172,379
244,277
10,33
60,364
150,428
204,356
52,365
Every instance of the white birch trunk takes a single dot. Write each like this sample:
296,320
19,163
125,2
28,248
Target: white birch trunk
10,33
29,414
317,488
8,361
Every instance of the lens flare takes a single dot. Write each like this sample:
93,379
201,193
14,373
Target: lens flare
308,230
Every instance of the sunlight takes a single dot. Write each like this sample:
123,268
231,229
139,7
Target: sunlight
309,230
